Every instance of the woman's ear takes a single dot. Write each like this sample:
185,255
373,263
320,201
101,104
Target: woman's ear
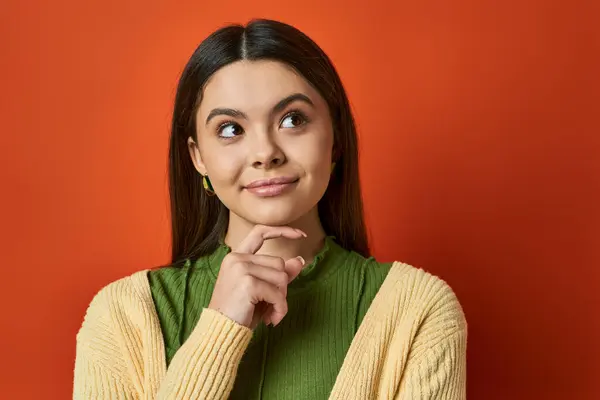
196,157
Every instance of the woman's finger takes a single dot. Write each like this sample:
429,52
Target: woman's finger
293,266
262,259
269,293
257,236
277,278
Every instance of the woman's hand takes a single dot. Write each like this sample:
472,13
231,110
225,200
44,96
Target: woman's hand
252,287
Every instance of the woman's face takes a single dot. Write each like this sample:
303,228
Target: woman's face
265,140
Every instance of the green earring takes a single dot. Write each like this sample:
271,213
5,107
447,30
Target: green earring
332,166
207,185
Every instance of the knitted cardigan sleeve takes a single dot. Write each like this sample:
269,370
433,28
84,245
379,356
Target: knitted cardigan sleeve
111,363
436,364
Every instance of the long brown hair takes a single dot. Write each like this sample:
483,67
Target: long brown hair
199,221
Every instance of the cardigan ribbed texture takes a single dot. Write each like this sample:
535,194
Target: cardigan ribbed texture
411,344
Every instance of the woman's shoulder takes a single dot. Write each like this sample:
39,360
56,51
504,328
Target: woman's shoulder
117,313
127,297
128,287
408,290
132,295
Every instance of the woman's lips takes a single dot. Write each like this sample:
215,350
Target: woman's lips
271,187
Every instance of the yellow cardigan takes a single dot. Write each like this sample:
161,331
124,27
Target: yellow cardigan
410,345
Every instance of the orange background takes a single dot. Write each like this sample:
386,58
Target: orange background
480,158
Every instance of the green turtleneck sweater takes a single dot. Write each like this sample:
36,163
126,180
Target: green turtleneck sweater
301,357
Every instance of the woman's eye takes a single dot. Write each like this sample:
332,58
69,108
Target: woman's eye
293,120
229,130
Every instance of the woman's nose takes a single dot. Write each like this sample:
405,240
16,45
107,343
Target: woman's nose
266,153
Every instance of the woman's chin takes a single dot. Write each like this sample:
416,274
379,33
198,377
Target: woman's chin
274,215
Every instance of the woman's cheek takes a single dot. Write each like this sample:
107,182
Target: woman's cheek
226,167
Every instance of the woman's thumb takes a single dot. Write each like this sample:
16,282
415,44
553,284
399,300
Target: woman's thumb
293,266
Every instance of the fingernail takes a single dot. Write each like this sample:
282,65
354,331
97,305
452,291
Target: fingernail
301,260
301,232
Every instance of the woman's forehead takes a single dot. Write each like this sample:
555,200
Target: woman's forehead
253,86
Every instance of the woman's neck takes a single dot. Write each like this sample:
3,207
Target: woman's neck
307,247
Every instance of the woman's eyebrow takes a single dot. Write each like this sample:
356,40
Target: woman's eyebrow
290,99
225,111
283,103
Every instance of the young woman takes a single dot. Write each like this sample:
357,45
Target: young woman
272,293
